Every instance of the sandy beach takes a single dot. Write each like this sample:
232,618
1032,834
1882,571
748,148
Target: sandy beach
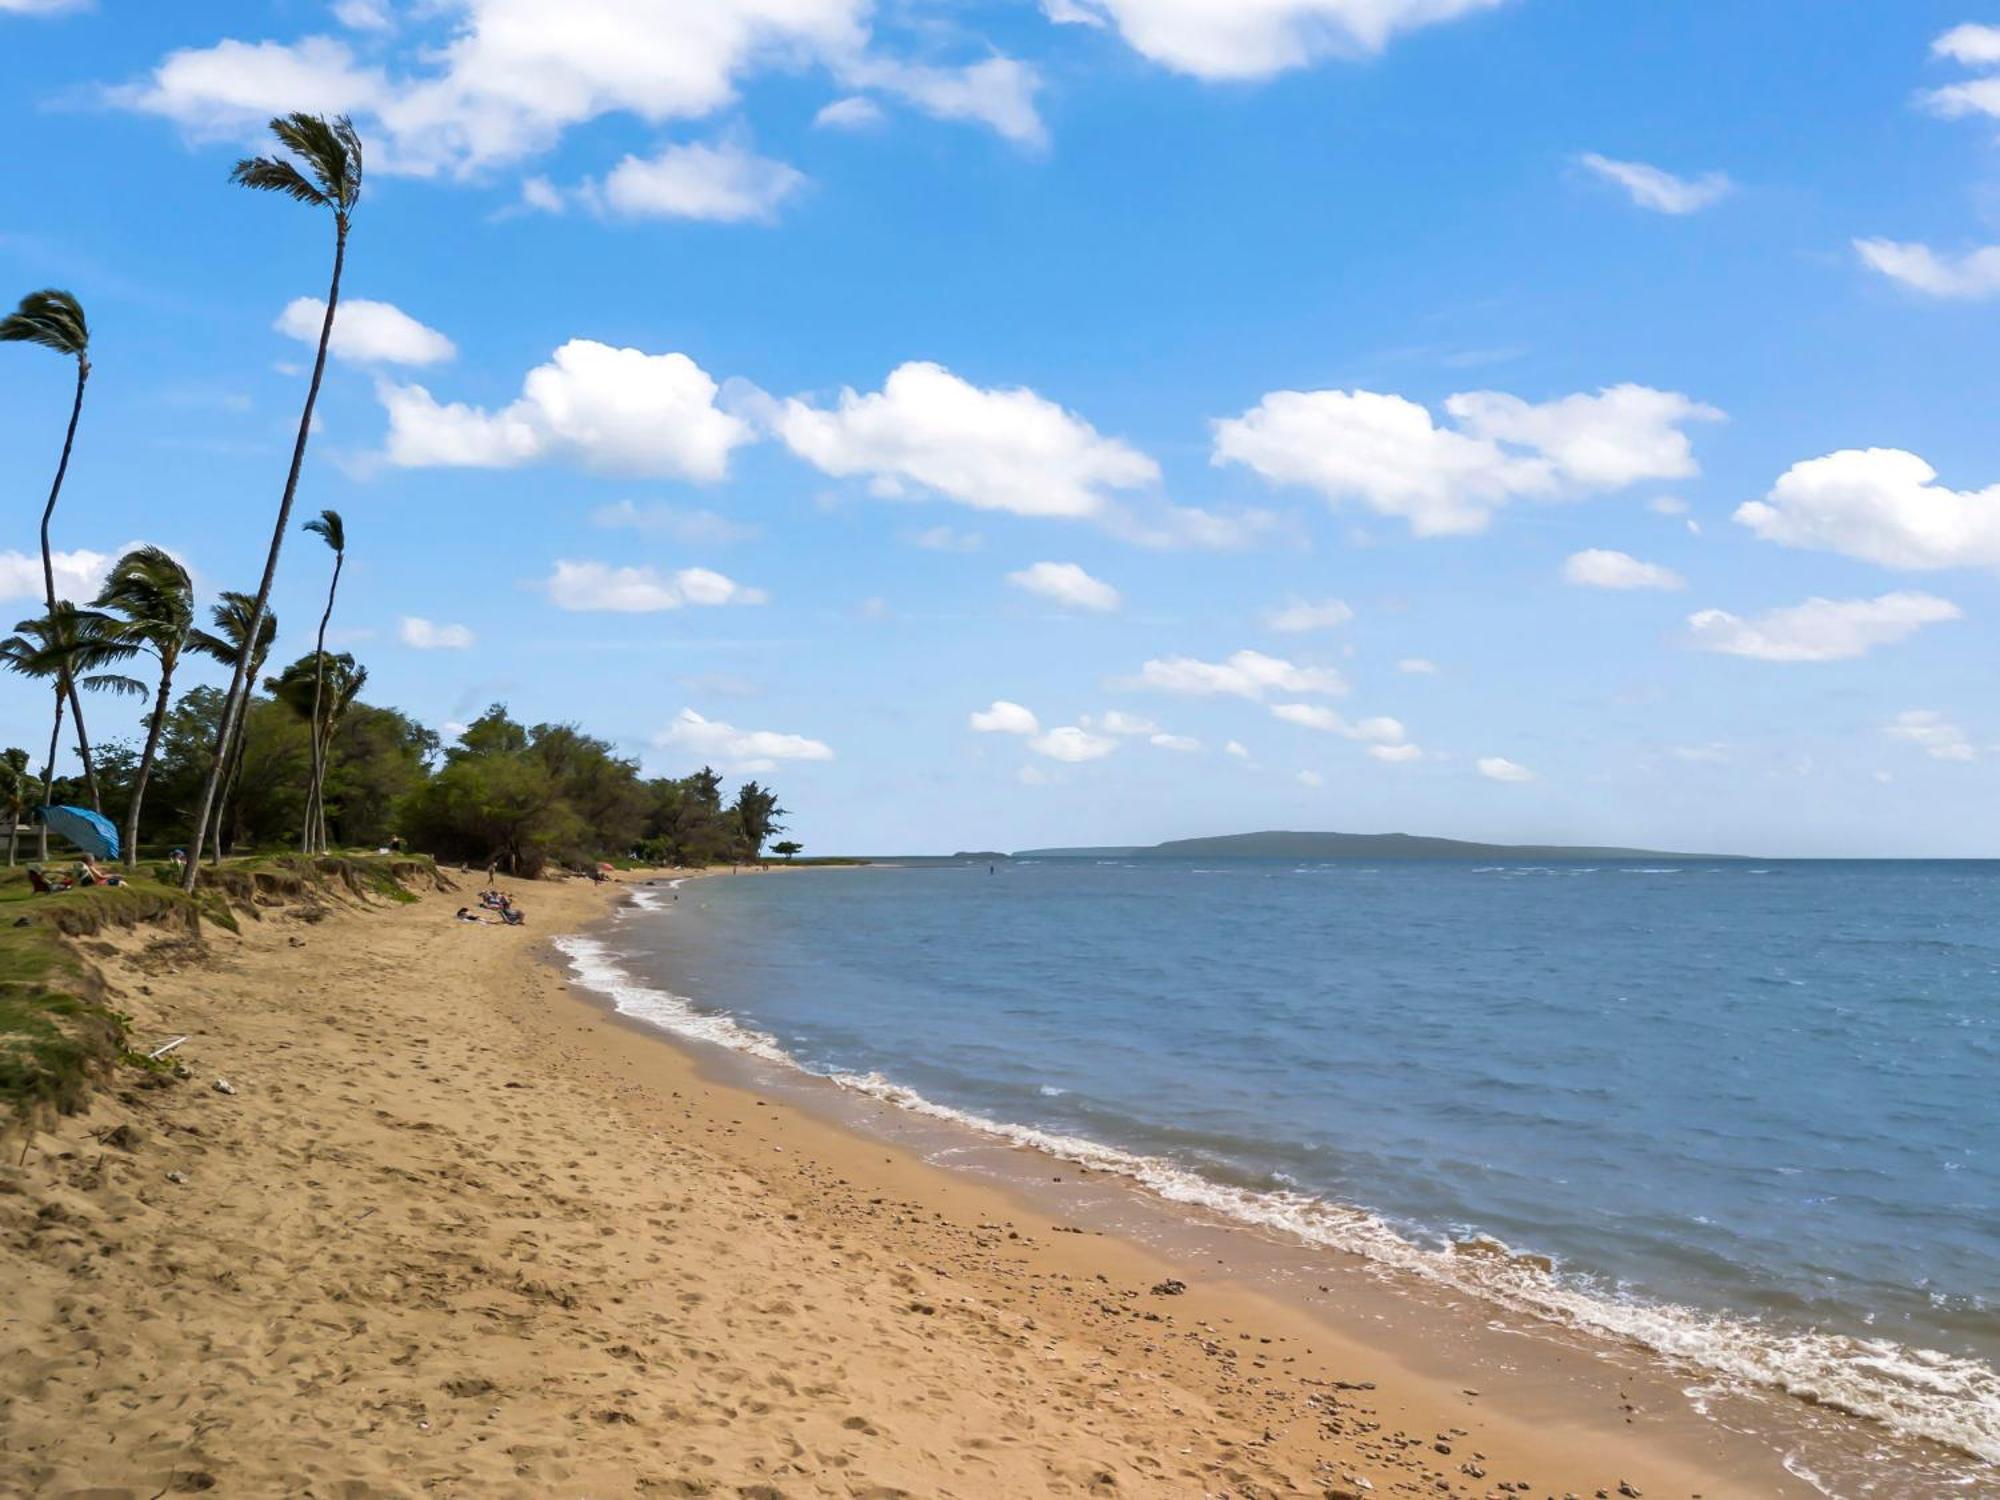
454,1229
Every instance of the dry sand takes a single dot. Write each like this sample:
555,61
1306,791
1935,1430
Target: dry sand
458,1232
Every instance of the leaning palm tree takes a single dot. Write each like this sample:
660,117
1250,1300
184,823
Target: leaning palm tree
331,154
228,644
69,647
329,529
154,598
54,319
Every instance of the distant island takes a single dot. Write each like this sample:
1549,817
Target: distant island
1282,845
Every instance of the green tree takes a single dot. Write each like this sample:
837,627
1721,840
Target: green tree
492,733
504,809
329,528
69,647
331,152
54,320
154,599
375,760
754,818
236,620
789,848
17,785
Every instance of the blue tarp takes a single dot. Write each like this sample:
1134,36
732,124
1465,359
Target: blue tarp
91,832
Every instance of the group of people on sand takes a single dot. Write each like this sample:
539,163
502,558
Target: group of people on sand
87,872
494,901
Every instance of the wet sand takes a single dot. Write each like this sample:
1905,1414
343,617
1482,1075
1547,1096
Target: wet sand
458,1230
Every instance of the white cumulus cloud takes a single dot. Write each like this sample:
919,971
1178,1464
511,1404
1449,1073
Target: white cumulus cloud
1068,585
1499,768
1601,568
1072,743
516,75
1933,733
79,573
1180,743
1392,456
1299,617
597,587
1417,666
855,112
737,749
930,431
1257,38
1968,276
1820,629
1005,718
723,183
1882,505
428,635
1381,730
366,332
1246,674
615,411
1661,191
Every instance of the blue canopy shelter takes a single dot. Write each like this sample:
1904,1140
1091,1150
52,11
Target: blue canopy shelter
93,833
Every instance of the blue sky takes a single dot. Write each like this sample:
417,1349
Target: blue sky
1532,419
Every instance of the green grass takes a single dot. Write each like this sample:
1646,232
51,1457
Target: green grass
57,1032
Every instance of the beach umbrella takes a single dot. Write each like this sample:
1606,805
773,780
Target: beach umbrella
93,833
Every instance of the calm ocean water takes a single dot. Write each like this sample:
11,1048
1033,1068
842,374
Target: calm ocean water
1751,1112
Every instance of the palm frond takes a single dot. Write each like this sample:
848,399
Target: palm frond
329,529
269,174
54,319
113,682
331,152
152,592
231,614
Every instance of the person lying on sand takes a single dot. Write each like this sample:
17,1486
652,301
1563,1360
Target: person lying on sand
511,915
466,914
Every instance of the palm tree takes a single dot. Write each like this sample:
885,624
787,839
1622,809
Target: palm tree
54,319
331,152
329,529
320,689
69,646
233,615
154,596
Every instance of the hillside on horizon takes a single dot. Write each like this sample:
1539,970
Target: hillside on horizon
1280,844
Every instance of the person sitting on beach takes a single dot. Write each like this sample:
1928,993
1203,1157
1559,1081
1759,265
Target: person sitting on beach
87,873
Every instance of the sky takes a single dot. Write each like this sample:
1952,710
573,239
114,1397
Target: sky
1087,421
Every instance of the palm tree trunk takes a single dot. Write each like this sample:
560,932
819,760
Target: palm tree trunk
232,781
315,838
49,580
153,728
233,705
49,773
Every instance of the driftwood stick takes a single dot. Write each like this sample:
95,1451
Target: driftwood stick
164,1048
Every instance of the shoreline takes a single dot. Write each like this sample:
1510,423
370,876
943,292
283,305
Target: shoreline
1544,1367
455,1229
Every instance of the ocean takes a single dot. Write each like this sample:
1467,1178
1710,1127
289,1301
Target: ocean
1749,1113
